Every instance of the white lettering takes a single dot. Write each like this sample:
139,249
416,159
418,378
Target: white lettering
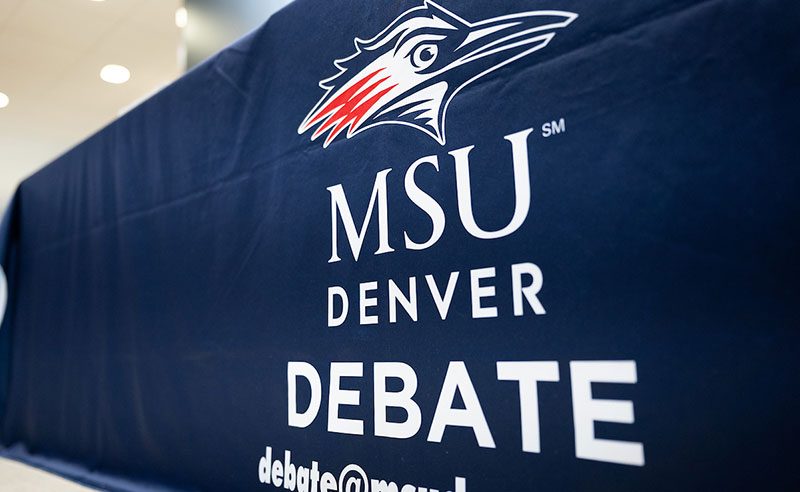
425,202
530,291
528,374
339,206
340,397
336,291
401,399
522,187
409,303
457,379
478,292
306,371
366,302
586,411
442,302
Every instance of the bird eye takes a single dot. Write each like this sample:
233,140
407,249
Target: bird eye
424,55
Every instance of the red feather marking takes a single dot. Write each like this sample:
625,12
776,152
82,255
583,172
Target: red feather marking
349,108
341,99
356,111
364,108
344,110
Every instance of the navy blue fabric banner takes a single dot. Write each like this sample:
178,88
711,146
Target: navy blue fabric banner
399,246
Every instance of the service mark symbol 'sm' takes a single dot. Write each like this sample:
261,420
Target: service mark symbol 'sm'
409,73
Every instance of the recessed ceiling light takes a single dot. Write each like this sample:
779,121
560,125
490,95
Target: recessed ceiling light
115,74
4,100
181,17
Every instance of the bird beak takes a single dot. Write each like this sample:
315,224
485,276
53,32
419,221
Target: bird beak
509,37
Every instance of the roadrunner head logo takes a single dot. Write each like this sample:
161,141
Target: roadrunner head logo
409,73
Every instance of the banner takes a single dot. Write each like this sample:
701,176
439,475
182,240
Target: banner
417,246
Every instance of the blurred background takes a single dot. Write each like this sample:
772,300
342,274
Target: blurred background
70,67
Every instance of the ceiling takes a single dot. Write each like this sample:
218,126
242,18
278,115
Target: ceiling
51,53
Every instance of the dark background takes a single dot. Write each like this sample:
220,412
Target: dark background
170,267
